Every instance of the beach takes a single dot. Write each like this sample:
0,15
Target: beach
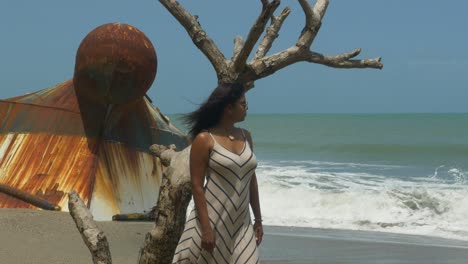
336,189
40,237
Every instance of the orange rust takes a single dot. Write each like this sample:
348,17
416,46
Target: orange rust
40,163
113,64
61,96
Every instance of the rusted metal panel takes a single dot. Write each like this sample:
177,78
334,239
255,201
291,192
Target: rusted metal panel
137,123
48,166
61,96
48,151
127,181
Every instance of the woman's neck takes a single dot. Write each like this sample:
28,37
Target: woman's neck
227,126
227,129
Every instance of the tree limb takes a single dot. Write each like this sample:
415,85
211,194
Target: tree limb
269,65
93,237
238,44
198,35
271,33
313,21
258,69
343,60
264,4
239,62
238,70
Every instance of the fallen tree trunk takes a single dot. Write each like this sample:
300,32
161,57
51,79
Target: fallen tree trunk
28,198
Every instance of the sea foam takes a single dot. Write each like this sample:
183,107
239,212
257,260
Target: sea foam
315,194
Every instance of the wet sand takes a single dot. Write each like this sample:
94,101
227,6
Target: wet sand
31,236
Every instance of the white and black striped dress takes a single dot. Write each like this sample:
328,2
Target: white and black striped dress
227,195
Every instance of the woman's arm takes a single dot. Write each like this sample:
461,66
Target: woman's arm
255,200
199,156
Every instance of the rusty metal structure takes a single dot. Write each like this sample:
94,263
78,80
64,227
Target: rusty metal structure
92,133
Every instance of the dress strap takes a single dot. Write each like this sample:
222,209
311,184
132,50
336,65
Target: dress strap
212,137
243,133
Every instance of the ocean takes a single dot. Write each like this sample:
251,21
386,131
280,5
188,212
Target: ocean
397,173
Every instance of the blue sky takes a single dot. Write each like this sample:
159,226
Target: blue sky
423,45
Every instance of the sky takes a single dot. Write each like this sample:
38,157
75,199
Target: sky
424,46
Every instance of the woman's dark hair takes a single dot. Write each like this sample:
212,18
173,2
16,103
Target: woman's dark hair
210,112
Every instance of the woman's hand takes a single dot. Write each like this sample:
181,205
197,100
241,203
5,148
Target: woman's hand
208,240
258,229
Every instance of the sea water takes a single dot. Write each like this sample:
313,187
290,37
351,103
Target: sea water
400,173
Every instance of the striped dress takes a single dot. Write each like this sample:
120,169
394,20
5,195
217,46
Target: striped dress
227,195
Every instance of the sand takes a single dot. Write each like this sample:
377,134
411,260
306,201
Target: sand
32,236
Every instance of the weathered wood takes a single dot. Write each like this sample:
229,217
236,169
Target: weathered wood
271,33
313,21
238,44
93,237
28,198
199,37
262,68
239,70
239,62
170,213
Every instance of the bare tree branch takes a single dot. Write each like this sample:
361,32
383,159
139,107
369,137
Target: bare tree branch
93,237
271,33
198,35
238,70
264,4
343,60
238,44
267,66
256,31
313,21
258,69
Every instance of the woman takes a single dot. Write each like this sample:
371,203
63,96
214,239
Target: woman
219,229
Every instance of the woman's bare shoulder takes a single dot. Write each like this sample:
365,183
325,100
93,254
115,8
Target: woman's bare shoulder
203,139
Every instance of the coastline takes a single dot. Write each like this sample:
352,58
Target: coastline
33,236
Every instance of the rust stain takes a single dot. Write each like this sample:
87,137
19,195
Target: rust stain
113,64
52,195
60,97
52,110
51,165
128,177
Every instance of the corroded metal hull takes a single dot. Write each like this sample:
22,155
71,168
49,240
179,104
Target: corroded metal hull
50,145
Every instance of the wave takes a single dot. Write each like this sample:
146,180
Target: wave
298,195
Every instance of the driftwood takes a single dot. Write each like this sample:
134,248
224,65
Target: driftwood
170,212
28,198
94,238
237,69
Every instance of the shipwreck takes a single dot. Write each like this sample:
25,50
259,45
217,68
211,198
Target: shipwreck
90,134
